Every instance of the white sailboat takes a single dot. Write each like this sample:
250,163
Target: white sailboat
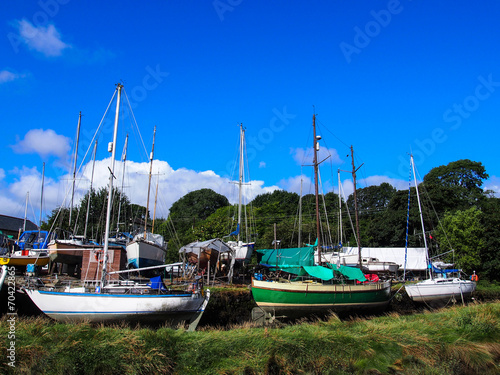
242,251
104,302
147,249
437,290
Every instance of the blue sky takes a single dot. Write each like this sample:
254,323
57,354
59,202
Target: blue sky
388,77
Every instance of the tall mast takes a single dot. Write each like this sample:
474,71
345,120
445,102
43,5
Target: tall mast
354,170
240,180
74,165
110,191
41,199
315,163
421,216
149,183
26,210
340,212
300,215
90,192
124,159
154,210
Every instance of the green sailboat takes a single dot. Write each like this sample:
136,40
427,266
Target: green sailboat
304,288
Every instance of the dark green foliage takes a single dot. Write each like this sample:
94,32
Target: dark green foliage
456,185
195,206
490,254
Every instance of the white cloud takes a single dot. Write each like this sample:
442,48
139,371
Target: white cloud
172,185
298,184
45,40
7,76
44,143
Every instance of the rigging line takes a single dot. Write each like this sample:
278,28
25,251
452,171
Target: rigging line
136,125
91,143
319,122
350,217
324,207
437,216
85,156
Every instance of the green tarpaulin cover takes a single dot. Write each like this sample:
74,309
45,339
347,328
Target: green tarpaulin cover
300,261
352,273
290,257
320,272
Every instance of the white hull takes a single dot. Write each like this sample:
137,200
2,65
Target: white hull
142,253
242,251
94,307
372,265
440,290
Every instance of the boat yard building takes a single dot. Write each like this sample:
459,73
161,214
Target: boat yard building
13,226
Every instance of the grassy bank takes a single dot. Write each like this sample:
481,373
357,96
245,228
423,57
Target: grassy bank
458,340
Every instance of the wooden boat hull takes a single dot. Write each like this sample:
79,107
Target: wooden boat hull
66,253
300,298
440,290
102,308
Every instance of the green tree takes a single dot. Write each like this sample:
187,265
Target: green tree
463,232
490,259
194,206
185,215
456,185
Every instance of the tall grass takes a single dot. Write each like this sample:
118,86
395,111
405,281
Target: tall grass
458,340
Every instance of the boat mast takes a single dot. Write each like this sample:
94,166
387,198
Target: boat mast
154,210
124,159
41,199
26,211
149,183
74,166
112,148
354,170
421,216
240,180
340,212
300,215
90,191
315,164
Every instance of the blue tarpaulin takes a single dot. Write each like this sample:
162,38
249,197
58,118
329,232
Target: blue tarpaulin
156,283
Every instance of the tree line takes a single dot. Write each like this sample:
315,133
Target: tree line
458,215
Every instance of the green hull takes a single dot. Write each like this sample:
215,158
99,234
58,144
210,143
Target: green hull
301,298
